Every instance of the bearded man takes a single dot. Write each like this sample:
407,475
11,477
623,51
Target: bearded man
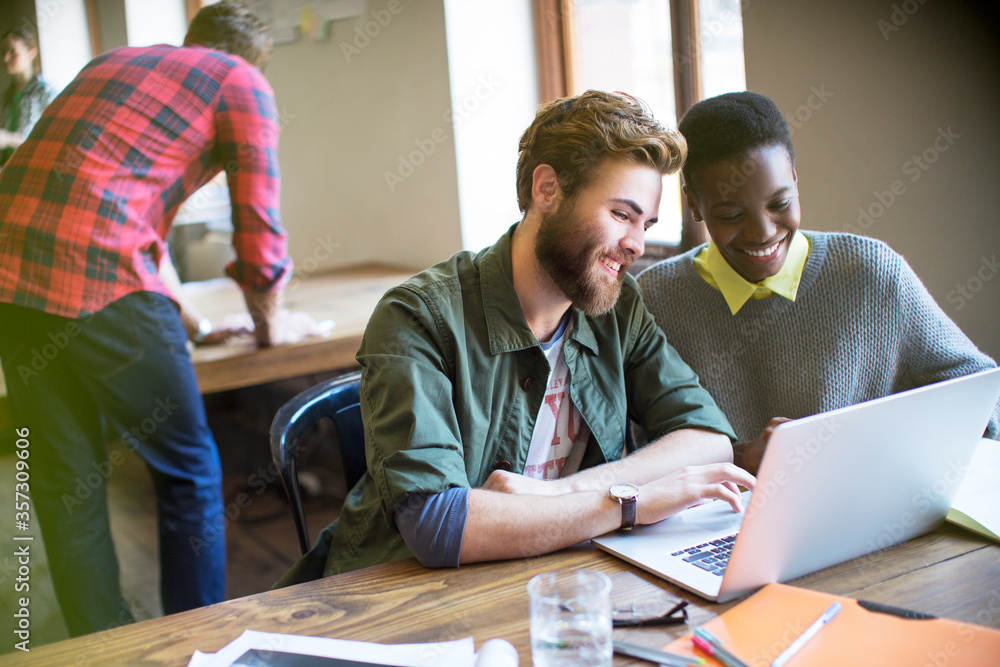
497,387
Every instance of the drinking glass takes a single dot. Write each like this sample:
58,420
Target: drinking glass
570,619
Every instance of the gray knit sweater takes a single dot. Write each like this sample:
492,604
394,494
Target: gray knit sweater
862,326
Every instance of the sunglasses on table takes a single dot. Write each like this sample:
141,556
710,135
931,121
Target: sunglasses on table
626,618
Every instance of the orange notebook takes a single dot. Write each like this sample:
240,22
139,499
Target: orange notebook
760,627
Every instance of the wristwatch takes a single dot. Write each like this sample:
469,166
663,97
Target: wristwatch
626,494
204,330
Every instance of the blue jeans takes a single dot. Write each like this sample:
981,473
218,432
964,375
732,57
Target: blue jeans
127,368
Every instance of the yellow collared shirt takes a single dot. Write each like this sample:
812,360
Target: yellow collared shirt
714,268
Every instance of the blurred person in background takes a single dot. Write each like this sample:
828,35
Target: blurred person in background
27,95
91,338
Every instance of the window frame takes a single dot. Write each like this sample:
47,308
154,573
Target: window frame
191,8
556,72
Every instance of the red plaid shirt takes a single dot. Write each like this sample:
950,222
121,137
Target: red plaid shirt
86,202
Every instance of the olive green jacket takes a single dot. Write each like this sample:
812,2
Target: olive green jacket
452,382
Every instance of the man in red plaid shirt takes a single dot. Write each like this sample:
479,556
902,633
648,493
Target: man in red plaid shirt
89,336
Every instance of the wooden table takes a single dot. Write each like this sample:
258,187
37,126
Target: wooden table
949,572
345,296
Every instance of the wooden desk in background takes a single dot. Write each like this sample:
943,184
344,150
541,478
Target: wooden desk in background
950,573
347,297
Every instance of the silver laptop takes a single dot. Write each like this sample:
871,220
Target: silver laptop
831,487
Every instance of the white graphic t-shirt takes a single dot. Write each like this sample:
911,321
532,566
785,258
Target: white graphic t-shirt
560,436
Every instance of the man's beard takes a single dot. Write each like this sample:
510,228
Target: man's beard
570,258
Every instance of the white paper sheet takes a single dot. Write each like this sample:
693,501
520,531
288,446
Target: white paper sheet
977,504
460,653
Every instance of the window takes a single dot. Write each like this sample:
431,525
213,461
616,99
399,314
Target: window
670,53
72,32
149,23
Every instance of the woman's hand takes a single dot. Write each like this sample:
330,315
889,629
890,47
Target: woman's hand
747,455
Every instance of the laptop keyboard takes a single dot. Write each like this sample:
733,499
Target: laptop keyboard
710,556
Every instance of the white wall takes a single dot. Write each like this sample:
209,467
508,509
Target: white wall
63,39
354,108
494,90
400,131
881,96
160,22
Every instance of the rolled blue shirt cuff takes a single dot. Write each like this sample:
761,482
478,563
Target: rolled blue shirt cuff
432,525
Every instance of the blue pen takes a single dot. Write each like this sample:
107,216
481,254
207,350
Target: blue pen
810,632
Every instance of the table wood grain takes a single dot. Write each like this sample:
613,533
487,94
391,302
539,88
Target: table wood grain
345,297
949,572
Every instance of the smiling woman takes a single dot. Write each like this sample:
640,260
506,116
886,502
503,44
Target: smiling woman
780,322
751,209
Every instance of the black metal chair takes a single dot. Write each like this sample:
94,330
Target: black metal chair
338,399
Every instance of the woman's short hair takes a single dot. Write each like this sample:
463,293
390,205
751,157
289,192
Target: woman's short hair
731,126
229,26
572,135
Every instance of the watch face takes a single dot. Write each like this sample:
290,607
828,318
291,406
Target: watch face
624,490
